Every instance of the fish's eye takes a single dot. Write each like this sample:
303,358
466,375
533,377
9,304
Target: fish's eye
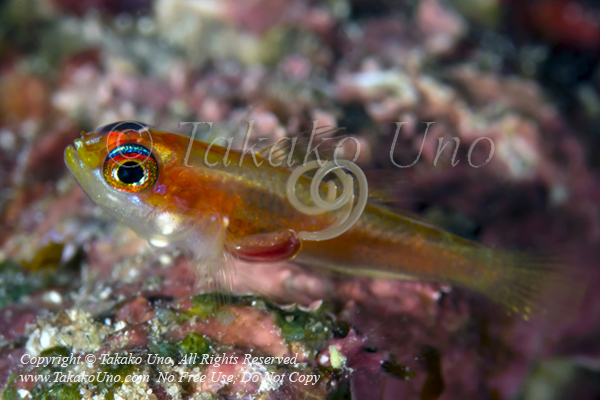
130,168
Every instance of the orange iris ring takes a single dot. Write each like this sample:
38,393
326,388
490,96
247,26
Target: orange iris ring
126,154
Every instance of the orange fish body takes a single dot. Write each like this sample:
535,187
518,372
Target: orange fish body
210,200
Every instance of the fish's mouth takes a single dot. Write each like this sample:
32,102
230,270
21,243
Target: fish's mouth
74,159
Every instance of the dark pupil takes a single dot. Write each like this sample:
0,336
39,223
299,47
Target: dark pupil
130,172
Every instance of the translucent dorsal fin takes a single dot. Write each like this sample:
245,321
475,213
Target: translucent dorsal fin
296,149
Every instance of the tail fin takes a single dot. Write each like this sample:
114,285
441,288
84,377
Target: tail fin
530,286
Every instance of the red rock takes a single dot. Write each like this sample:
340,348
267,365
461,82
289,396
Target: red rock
135,311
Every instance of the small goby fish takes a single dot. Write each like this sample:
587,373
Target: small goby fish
211,202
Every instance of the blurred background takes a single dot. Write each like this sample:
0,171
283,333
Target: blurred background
523,73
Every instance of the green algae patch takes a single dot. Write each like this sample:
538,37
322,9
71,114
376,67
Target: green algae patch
112,377
188,351
203,306
16,283
61,392
57,351
194,344
312,328
9,392
165,349
292,331
209,305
